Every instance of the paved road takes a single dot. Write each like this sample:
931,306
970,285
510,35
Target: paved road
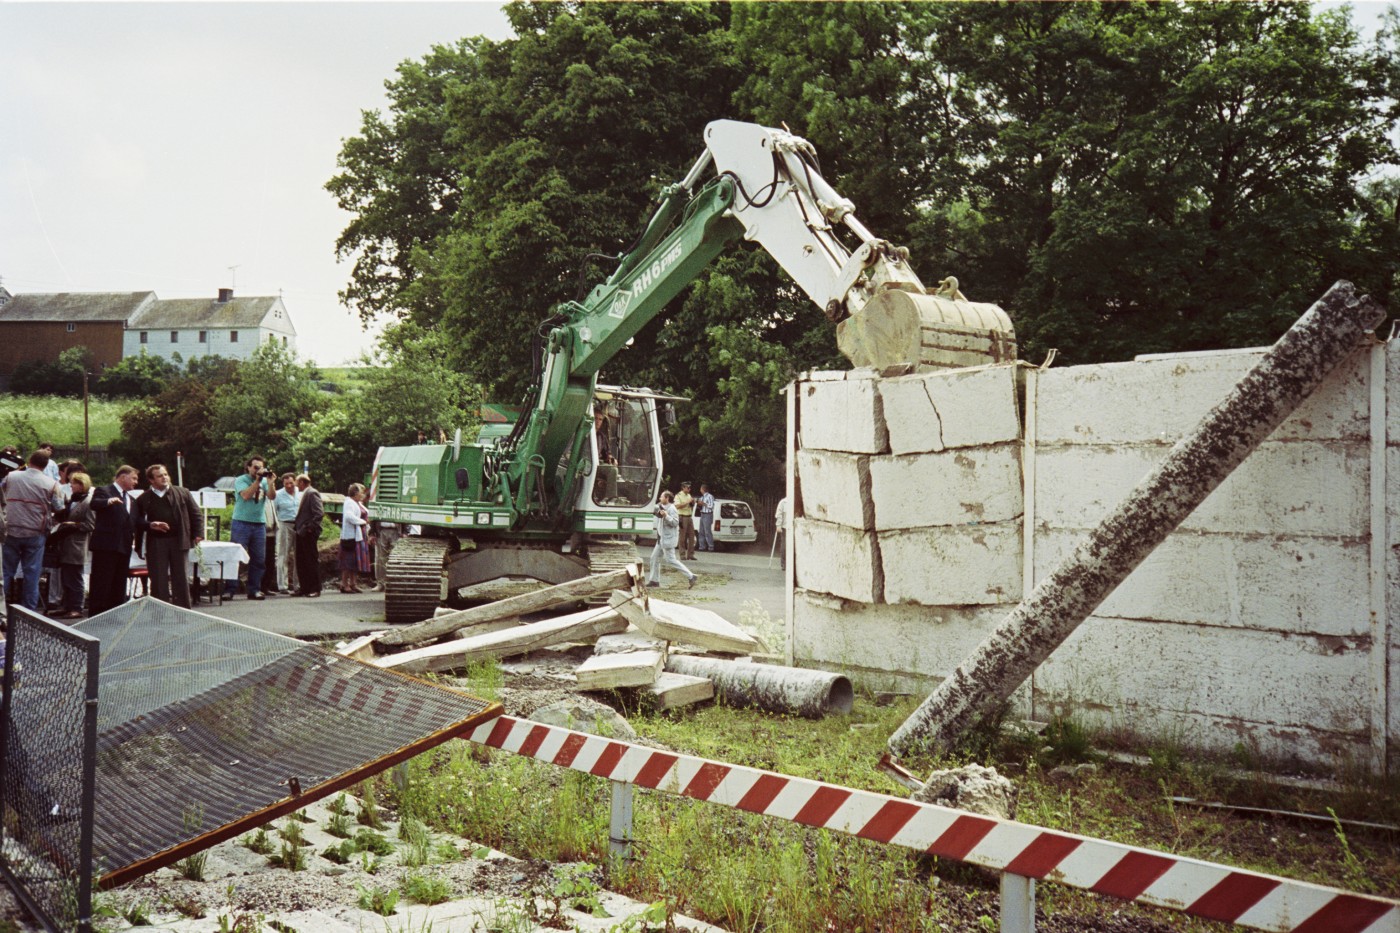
728,581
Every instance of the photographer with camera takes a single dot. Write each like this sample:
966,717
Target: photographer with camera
250,494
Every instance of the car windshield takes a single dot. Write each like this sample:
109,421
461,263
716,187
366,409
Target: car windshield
734,510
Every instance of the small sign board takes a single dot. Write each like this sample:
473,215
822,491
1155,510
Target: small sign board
212,499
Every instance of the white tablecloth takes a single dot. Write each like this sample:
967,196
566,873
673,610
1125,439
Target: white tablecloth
220,559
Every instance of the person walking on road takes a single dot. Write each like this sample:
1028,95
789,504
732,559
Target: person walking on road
705,508
307,528
668,523
168,523
780,524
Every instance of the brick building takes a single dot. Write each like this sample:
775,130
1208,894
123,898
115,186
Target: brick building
37,328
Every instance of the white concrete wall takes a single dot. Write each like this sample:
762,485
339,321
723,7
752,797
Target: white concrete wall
1267,623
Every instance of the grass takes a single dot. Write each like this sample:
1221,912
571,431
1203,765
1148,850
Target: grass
58,419
746,872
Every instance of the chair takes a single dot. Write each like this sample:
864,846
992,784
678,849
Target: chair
138,575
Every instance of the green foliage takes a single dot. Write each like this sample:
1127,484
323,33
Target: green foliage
426,889
258,842
137,913
138,376
62,377
1123,178
366,840
407,385
261,408
378,900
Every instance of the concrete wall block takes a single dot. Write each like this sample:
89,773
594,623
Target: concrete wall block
965,565
835,487
1299,585
838,560
960,408
1163,400
1279,747
1295,488
843,415
955,487
917,644
1260,680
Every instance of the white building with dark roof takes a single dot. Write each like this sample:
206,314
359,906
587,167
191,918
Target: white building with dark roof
225,326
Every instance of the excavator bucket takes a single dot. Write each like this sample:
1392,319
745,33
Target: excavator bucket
928,332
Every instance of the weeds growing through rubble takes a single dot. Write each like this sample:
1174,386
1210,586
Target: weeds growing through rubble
192,867
426,889
378,900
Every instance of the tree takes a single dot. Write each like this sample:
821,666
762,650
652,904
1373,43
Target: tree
408,386
1161,177
158,429
62,377
261,409
137,377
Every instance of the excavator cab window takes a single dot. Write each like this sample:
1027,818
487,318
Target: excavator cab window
625,444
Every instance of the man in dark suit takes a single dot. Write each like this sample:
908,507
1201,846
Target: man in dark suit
307,529
168,524
111,541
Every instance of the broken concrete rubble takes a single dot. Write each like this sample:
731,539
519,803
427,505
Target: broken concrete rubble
974,788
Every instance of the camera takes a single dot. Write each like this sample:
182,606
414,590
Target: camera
9,461
266,474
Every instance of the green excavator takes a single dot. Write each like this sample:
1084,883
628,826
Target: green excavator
572,483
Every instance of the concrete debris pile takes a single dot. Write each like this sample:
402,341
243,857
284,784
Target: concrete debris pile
654,649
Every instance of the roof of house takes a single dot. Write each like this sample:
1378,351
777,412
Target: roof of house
74,306
182,313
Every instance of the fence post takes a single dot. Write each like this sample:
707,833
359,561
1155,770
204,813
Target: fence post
620,826
1017,903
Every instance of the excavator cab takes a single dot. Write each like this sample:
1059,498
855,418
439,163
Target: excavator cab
626,454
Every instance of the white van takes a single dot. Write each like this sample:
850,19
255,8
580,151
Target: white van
732,522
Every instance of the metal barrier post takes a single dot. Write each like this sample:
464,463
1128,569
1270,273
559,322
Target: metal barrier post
1017,903
620,825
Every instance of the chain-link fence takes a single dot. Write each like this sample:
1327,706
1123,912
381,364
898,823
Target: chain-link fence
48,739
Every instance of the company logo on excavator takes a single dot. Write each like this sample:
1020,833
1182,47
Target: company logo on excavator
644,279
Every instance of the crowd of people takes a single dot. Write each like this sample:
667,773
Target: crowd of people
55,525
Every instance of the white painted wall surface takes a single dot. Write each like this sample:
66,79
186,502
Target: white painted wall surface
1249,629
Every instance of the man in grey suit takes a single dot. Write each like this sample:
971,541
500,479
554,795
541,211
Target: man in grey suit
310,514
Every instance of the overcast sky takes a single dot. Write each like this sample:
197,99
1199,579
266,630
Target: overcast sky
150,146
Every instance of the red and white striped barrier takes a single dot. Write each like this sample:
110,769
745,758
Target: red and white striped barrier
1202,889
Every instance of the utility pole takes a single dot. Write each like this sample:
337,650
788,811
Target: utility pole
233,276
87,452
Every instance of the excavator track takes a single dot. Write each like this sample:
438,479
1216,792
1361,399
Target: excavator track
413,578
605,554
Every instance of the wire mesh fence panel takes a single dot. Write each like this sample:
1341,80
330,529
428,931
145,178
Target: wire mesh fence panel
207,728
46,775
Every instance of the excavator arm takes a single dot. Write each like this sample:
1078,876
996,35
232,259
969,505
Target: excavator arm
767,188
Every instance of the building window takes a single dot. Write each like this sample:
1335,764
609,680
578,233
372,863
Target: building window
144,335
233,336
203,336
174,336
284,341
72,327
